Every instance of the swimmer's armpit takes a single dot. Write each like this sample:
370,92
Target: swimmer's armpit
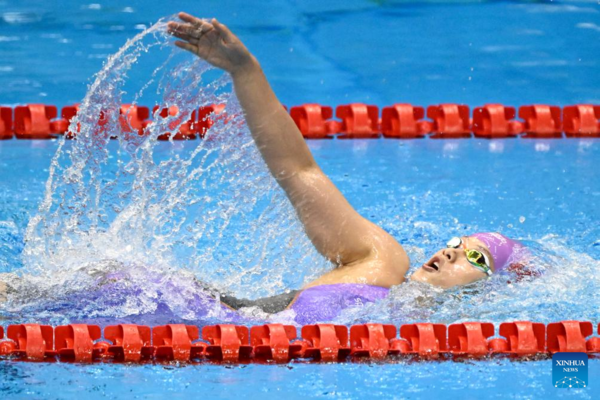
211,41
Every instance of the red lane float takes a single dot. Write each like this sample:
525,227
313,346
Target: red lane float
32,341
227,342
6,123
582,120
62,124
450,121
173,342
69,112
522,338
372,340
359,121
75,342
495,121
315,121
207,116
541,121
404,121
273,342
568,336
277,343
425,340
197,125
469,338
133,118
326,342
186,129
130,343
33,121
593,344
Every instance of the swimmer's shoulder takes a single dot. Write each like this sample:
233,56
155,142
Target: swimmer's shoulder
385,267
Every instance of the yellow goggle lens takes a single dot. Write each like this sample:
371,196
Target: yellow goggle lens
477,257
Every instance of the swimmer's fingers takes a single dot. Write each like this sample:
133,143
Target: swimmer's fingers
190,18
184,31
211,41
187,46
183,36
195,28
224,31
195,25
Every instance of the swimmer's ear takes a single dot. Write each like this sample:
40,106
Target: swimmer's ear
228,36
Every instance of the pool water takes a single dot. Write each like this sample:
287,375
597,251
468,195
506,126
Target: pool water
544,192
471,380
331,52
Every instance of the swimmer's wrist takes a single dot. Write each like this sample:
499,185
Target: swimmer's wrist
247,68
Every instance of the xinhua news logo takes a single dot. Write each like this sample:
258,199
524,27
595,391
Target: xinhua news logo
570,370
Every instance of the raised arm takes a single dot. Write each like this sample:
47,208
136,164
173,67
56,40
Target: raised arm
334,227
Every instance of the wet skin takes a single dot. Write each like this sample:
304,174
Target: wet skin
449,267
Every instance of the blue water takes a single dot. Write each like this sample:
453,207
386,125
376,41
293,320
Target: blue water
331,51
422,192
469,380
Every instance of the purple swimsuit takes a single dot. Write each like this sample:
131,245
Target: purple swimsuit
326,302
316,304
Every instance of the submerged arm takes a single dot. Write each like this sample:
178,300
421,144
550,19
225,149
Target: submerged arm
334,227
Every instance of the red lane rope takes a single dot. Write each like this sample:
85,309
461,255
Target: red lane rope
279,343
356,120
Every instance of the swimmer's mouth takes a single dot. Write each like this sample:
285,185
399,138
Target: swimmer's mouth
432,265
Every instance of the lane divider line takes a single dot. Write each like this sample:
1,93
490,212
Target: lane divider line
316,121
277,343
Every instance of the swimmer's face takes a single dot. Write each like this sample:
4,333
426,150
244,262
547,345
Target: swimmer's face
450,267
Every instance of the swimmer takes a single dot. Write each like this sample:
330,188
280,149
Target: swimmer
368,261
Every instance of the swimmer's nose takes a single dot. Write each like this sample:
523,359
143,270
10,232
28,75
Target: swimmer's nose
450,254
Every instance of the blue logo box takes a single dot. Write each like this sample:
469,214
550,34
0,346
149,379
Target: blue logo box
570,370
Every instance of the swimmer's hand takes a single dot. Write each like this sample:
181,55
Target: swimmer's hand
213,42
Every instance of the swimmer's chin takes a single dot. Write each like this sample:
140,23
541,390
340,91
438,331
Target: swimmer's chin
417,276
423,276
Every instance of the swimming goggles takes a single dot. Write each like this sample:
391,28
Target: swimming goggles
477,258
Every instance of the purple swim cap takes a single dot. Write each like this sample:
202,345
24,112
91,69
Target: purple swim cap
505,251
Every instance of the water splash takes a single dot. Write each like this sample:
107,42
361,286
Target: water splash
206,210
